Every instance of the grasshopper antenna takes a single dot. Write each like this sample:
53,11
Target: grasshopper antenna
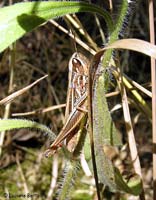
74,39
75,47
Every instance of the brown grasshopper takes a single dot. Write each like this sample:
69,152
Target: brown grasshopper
76,100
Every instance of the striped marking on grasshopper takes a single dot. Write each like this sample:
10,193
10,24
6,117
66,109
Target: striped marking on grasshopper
76,98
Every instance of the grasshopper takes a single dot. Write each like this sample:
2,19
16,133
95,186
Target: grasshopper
76,100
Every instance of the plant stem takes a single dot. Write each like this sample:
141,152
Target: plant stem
153,77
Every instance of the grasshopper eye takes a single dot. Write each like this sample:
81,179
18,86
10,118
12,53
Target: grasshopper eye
76,62
77,65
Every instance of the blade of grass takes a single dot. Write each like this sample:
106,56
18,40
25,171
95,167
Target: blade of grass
153,77
55,166
11,79
20,18
138,86
78,25
134,45
20,92
80,42
130,132
40,110
136,95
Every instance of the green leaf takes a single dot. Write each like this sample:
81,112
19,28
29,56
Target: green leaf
10,124
103,126
105,133
70,174
133,186
20,18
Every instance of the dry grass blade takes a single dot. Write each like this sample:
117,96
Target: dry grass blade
153,77
142,103
78,25
20,92
139,87
54,176
135,45
21,173
44,110
131,137
80,42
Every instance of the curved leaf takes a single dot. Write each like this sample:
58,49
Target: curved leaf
20,18
134,45
10,124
